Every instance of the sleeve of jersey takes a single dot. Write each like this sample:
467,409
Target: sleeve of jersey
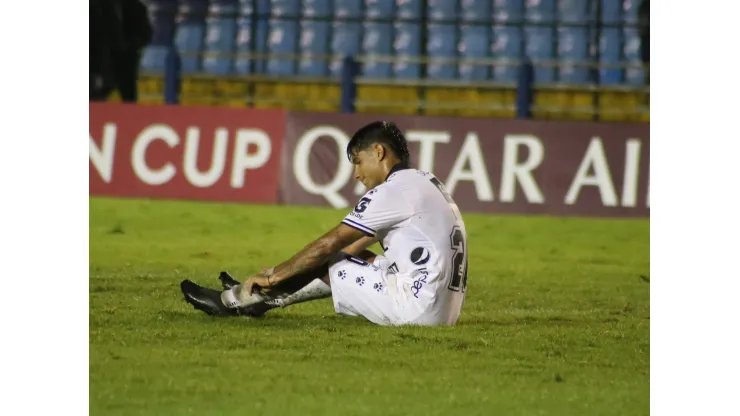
377,211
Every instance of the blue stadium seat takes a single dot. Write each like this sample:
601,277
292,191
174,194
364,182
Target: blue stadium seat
441,9
283,36
442,39
246,8
539,46
475,42
163,27
252,27
317,8
610,42
508,11
224,8
408,9
576,18
539,10
314,38
195,9
507,44
408,38
220,40
611,11
379,8
282,39
407,43
634,74
345,42
153,58
377,41
347,8
189,43
475,10
246,43
576,11
347,34
610,46
162,17
441,43
289,8
573,48
630,10
314,41
539,39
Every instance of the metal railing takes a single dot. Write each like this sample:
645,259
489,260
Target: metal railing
350,80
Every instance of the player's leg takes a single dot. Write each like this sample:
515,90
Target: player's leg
234,301
364,289
302,288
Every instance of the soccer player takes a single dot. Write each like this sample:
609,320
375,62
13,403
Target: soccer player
420,279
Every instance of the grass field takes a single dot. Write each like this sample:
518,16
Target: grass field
556,321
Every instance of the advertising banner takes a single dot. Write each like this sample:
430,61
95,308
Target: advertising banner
174,152
488,166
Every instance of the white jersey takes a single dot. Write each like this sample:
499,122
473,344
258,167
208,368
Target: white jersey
423,236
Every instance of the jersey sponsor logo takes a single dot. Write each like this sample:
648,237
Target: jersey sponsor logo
393,268
419,283
356,215
420,255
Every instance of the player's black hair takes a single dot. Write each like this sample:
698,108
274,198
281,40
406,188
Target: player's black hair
382,132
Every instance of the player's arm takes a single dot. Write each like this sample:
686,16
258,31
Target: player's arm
360,245
319,252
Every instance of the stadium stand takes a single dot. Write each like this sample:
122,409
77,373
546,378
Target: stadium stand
455,57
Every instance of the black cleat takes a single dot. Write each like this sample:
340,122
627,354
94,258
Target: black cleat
206,300
227,281
209,301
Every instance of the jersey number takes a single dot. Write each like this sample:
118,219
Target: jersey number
457,242
459,261
362,205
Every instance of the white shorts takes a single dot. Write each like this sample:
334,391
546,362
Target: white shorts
369,290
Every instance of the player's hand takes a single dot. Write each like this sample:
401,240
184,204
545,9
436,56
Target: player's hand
257,283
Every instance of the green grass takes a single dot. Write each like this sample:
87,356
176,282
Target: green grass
556,321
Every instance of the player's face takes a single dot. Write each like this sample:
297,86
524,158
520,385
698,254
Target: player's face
368,168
